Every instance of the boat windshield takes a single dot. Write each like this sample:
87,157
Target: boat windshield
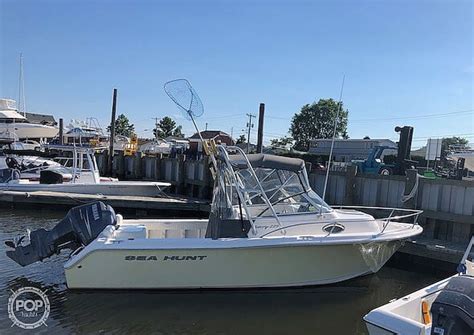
284,186
287,191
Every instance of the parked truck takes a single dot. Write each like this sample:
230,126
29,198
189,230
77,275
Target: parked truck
375,163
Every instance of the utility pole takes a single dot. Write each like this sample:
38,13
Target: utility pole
261,114
249,126
156,128
112,133
61,131
206,126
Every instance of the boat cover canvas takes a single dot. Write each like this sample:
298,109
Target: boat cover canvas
268,162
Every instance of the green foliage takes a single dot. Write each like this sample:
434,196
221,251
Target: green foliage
167,127
123,126
241,139
281,142
317,121
452,141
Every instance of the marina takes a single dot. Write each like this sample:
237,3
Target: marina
237,168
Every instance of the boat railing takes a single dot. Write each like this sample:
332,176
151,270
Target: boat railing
407,213
410,213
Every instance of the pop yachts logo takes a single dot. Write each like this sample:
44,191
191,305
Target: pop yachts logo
164,258
28,308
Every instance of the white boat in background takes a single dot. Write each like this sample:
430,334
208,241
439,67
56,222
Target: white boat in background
267,228
443,308
15,125
81,175
157,146
83,132
28,159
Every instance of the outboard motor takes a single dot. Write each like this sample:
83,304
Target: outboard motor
453,310
80,227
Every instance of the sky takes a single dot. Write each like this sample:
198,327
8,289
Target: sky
405,62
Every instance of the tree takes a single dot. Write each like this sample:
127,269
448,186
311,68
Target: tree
452,141
317,121
281,142
123,126
241,139
167,127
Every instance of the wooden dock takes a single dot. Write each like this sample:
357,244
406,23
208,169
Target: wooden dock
141,206
450,252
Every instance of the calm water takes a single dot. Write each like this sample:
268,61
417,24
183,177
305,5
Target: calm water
335,309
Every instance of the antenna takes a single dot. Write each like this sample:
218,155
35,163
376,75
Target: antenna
333,138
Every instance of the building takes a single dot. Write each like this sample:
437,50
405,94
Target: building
346,150
218,136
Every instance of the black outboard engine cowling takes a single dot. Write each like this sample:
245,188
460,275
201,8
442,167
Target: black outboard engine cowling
80,227
453,310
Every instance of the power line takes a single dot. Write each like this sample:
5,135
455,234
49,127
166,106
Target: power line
450,135
424,138
227,116
424,116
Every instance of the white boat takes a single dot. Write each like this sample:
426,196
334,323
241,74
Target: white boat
82,176
413,314
157,146
83,132
30,167
267,228
13,124
28,159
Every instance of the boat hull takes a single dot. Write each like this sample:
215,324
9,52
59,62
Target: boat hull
239,267
29,130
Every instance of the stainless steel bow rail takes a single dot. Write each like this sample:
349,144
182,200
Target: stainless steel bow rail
411,214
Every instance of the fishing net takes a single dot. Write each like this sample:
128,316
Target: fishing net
185,97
